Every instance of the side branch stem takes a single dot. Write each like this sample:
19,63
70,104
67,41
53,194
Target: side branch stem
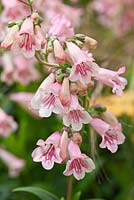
45,62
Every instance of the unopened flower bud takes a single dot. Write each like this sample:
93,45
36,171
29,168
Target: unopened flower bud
63,145
77,138
59,52
90,42
65,92
109,117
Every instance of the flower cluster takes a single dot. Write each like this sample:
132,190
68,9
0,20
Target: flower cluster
65,91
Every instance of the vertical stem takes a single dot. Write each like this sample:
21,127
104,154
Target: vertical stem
69,188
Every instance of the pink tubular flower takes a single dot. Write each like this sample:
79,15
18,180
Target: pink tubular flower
79,163
14,164
61,28
111,135
26,40
112,79
75,115
7,124
83,67
46,99
48,151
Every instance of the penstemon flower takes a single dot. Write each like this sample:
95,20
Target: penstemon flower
79,163
75,115
83,68
48,151
111,135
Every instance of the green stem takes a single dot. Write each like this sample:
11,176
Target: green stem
69,188
45,62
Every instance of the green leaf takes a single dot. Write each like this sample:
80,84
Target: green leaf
39,192
77,196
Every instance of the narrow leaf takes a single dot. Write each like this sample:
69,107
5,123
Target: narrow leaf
39,192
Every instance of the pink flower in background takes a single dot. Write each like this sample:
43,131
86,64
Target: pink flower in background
25,71
83,68
117,15
10,37
61,28
17,68
79,163
50,9
26,41
48,151
14,164
46,100
112,79
75,115
14,10
8,71
7,124
24,99
111,135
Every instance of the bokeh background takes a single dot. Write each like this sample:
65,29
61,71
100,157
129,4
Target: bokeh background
113,178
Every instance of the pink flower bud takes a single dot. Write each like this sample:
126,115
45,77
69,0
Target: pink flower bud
59,52
77,138
65,92
63,145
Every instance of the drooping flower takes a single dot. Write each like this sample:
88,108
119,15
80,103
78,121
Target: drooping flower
26,41
111,135
75,115
83,68
79,163
7,124
48,151
112,79
14,164
46,99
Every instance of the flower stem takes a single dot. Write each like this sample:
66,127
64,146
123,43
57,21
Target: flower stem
69,188
45,62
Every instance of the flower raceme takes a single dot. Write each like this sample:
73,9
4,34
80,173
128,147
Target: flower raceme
64,91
